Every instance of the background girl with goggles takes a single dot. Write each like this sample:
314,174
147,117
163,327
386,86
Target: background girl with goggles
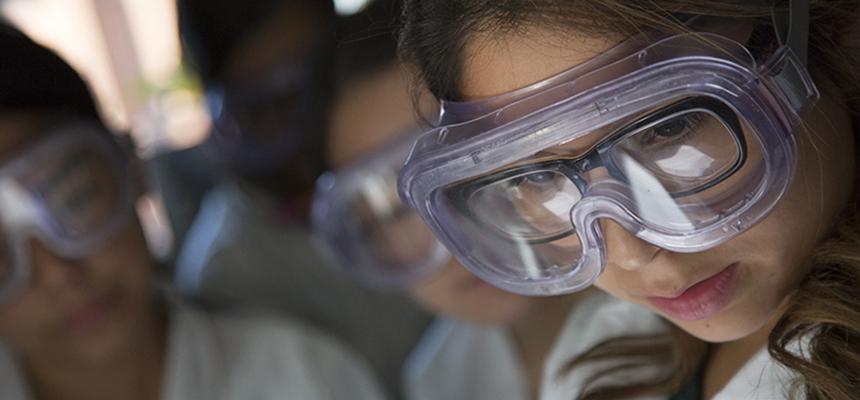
266,68
80,316
673,154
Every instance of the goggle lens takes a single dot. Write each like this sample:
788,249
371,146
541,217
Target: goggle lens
395,234
79,192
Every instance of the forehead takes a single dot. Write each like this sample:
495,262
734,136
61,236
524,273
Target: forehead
502,63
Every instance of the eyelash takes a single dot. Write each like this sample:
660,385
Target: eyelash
651,139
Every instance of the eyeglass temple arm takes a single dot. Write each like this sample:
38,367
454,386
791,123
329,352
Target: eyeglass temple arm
793,29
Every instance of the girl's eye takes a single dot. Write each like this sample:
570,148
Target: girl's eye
540,177
532,180
672,130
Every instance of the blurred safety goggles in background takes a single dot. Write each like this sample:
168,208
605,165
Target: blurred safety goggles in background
360,221
685,141
70,190
261,124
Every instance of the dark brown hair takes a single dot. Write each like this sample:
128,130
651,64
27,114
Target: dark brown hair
826,309
34,78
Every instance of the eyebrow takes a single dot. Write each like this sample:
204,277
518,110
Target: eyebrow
601,134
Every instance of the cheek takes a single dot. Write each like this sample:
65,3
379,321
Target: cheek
443,291
27,322
611,283
822,188
125,265
429,294
455,292
825,178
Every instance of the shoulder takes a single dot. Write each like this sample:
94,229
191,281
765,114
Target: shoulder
598,317
445,338
761,378
209,234
593,320
268,355
258,338
12,383
461,360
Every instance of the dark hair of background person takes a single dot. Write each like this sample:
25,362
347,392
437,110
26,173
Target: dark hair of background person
211,29
33,78
366,42
826,308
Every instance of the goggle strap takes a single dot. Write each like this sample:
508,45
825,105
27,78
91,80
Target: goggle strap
795,83
791,75
793,29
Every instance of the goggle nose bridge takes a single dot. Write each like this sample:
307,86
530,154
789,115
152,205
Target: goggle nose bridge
602,204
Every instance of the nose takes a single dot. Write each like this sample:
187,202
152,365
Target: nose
53,271
625,250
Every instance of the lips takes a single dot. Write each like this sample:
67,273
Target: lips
701,300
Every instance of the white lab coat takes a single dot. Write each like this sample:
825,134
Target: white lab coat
219,358
760,379
236,253
597,318
457,360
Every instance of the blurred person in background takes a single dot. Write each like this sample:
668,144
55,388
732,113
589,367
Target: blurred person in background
265,66
486,344
80,314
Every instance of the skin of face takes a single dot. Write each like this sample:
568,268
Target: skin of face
770,259
371,113
77,312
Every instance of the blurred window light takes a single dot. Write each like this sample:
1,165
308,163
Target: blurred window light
349,7
129,52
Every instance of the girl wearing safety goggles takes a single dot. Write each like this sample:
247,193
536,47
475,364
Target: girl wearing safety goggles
693,157
79,314
487,344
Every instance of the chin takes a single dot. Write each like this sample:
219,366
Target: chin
727,327
507,310
495,318
713,333
487,310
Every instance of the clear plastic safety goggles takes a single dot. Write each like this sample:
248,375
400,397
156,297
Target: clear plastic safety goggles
361,223
685,141
70,191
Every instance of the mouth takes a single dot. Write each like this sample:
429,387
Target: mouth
703,299
91,315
